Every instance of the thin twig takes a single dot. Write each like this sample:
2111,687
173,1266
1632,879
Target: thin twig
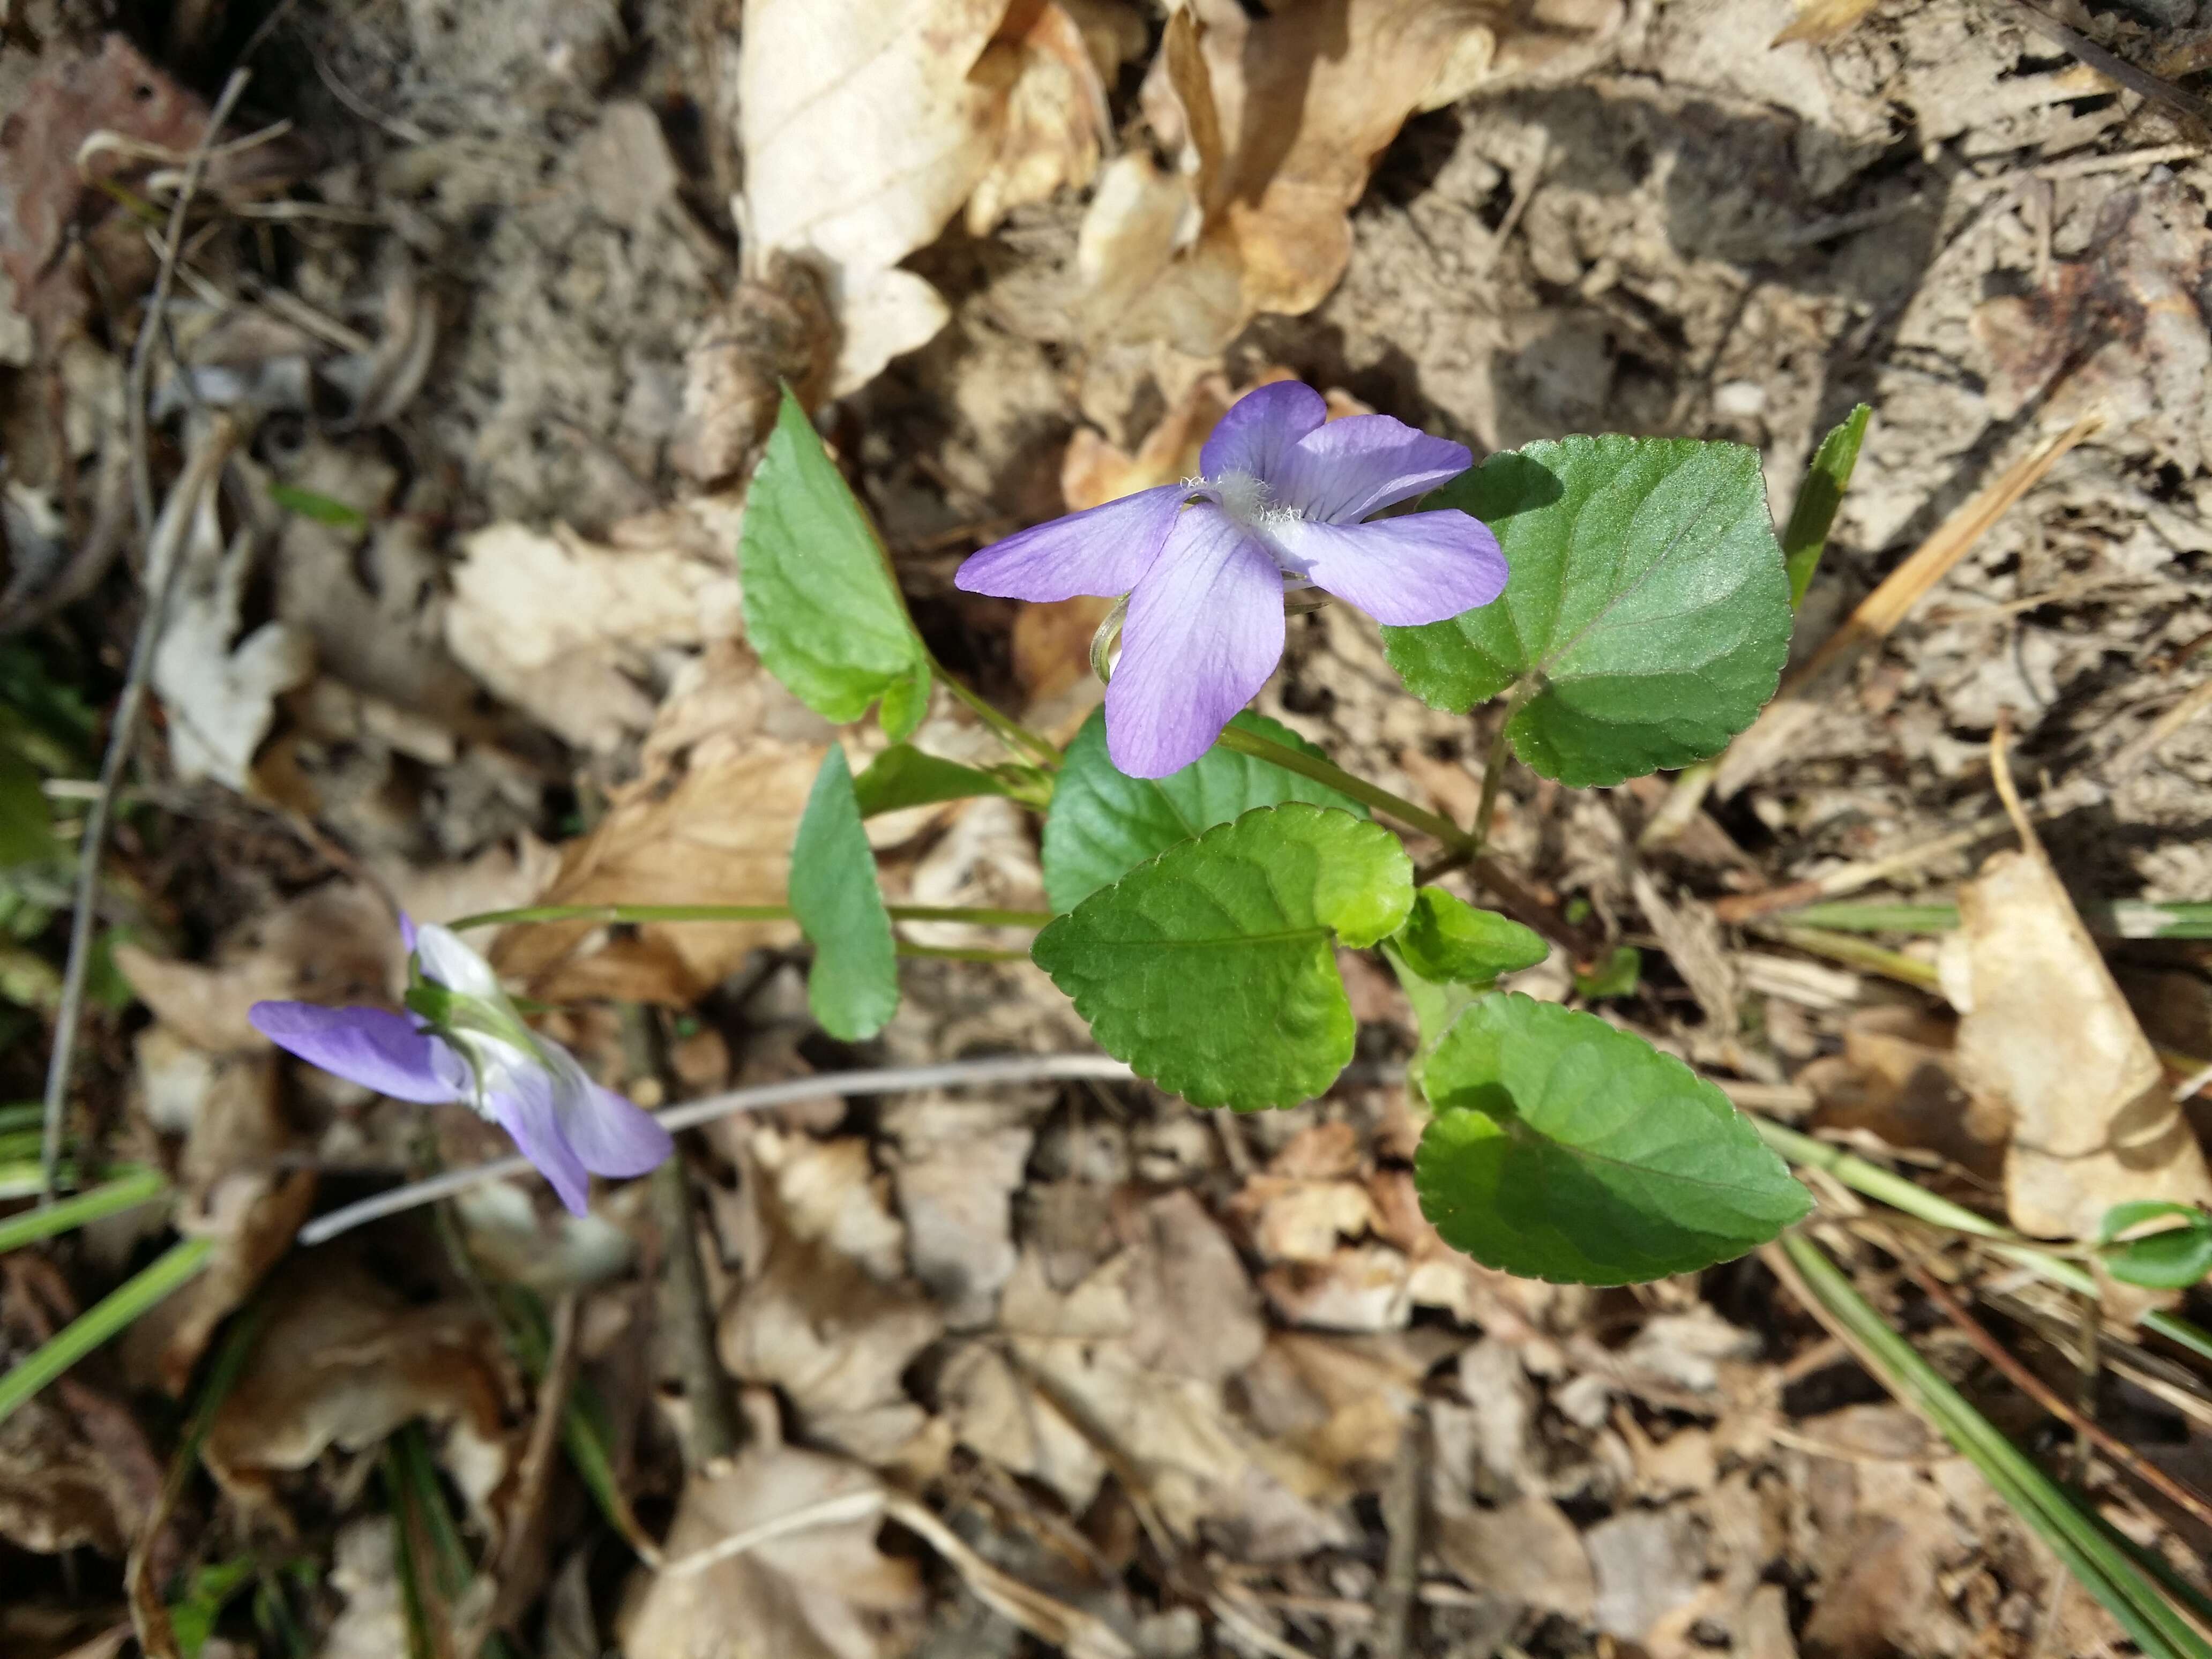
2045,1395
161,585
165,560
891,1079
1401,1521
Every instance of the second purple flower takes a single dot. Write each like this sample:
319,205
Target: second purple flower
1282,504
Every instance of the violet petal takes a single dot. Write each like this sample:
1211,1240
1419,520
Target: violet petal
1418,568
522,1101
1101,552
1342,472
1205,630
614,1137
1260,427
373,1047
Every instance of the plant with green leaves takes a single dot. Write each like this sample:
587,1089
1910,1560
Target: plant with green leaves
1626,600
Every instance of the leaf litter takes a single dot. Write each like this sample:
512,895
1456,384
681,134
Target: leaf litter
1147,1365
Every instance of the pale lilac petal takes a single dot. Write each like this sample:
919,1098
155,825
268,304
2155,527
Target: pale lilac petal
1101,552
407,932
1205,630
614,1137
373,1047
1419,568
1260,427
523,1103
1342,472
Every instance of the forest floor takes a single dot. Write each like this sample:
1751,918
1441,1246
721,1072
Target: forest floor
1082,1366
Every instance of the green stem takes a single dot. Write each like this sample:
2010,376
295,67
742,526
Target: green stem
132,1189
907,947
2102,1569
1493,770
110,1314
654,913
1367,794
1010,732
1893,1189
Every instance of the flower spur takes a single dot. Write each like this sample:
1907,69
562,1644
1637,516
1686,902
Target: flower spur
464,1041
1283,502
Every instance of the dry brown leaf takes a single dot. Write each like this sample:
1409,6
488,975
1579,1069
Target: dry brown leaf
44,192
727,766
1074,1356
818,1591
344,1360
338,942
1897,1078
58,1491
1649,1568
234,1190
1527,1551
1823,21
563,627
1055,121
961,1164
2045,1031
866,124
1341,1403
825,1311
1281,117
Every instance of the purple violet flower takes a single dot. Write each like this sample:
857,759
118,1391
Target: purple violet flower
463,1040
1205,562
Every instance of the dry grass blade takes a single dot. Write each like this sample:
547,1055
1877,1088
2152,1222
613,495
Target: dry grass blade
1080,1635
2036,1390
1777,731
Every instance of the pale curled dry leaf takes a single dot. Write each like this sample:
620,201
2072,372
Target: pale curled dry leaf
218,688
866,125
826,1592
1281,119
343,1361
2045,1031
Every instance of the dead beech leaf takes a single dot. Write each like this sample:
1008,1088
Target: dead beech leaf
563,626
1055,122
1075,1357
727,766
334,944
1281,116
825,1311
866,124
234,1190
820,1591
772,332
1527,1550
342,1361
2045,1031
44,192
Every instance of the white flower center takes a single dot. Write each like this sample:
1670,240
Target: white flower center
1250,500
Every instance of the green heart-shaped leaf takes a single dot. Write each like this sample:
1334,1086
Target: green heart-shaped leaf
1447,954
1104,823
853,986
1211,968
1564,1149
821,607
1648,613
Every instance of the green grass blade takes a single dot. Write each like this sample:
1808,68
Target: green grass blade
2159,1628
1818,498
18,1230
1900,1194
103,1320
2108,919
